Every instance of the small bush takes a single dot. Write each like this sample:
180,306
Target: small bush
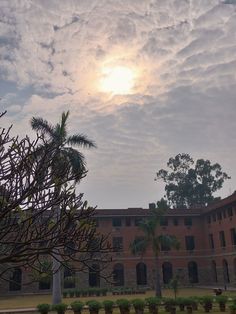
108,304
43,308
138,304
77,306
94,305
60,308
123,304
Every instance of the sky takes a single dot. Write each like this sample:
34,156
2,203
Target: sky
178,93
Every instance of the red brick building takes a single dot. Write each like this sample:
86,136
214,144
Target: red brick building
207,254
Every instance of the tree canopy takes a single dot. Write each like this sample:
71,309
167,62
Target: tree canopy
191,184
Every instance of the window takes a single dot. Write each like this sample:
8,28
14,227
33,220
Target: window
175,222
163,221
116,222
128,221
137,221
233,236
230,212
192,272
224,213
189,243
165,246
94,276
15,280
219,216
211,241
167,272
118,275
214,217
69,278
141,274
222,239
188,221
117,244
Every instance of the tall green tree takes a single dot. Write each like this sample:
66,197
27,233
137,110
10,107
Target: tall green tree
189,183
154,240
67,157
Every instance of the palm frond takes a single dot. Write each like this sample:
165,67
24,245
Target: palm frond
76,161
43,126
139,245
80,140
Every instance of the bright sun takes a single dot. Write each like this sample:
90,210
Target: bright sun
118,80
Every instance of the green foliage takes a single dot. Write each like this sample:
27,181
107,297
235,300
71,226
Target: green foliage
123,304
221,299
138,303
43,308
94,305
153,301
60,308
191,184
206,300
174,285
108,304
77,306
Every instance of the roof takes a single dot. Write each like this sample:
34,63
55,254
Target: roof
142,212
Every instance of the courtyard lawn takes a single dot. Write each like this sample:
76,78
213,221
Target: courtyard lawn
31,301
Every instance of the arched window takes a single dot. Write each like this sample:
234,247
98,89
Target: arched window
94,276
167,272
118,275
141,274
69,278
15,280
192,272
225,271
214,271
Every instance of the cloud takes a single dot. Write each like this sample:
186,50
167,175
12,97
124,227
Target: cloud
51,57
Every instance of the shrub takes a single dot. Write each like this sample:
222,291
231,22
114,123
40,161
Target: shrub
138,304
60,308
108,305
94,305
43,308
71,293
77,306
65,293
221,299
124,304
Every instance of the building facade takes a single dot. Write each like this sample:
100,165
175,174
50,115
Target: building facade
207,254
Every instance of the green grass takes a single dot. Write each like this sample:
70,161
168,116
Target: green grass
31,301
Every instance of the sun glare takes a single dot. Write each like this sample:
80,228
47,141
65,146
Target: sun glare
118,80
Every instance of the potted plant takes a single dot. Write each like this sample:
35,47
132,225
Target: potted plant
181,303
138,305
124,306
170,305
71,293
60,308
206,302
77,306
43,308
94,306
152,304
232,308
108,306
189,305
194,302
222,300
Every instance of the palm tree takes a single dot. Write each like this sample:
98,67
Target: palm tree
151,239
65,156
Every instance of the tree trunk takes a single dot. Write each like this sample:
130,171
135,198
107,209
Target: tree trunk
158,278
56,282
56,276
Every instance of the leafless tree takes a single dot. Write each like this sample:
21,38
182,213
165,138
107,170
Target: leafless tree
30,226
